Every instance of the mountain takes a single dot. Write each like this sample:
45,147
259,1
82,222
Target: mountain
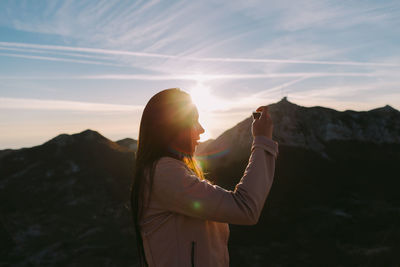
314,127
334,201
319,131
65,202
128,143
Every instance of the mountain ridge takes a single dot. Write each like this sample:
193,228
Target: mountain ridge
313,127
66,202
284,104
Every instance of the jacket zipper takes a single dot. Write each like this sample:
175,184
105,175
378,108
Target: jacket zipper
193,248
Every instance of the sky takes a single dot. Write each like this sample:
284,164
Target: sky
68,66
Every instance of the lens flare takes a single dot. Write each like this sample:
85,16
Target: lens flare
196,205
206,103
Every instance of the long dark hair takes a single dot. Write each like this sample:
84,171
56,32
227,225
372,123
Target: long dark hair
165,115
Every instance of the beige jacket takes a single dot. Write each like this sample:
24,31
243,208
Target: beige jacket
186,221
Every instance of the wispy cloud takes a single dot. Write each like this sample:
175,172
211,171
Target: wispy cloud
188,58
113,23
289,61
59,59
87,50
201,77
210,77
249,53
69,54
280,87
352,90
41,104
315,14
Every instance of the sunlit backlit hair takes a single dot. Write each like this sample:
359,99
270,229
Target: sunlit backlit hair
166,115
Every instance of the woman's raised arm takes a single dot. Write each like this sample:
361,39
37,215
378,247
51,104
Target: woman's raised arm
176,189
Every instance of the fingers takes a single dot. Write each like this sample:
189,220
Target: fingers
259,109
264,112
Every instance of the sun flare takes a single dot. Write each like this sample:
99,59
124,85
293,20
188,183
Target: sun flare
205,102
202,97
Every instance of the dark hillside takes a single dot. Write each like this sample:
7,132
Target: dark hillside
65,203
334,201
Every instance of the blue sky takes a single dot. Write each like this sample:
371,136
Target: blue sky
66,66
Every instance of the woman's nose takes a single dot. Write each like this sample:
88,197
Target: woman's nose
201,129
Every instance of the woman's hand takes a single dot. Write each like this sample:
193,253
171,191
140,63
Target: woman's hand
263,125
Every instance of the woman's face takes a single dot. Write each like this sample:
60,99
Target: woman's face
196,130
193,132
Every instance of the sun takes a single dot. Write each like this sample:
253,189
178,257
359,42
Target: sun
202,97
206,103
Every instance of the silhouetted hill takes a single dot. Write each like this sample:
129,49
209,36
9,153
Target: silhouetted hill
312,128
65,203
334,201
128,143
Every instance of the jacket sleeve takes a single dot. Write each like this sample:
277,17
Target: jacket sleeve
178,190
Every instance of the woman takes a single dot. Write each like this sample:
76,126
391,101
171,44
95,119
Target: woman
180,218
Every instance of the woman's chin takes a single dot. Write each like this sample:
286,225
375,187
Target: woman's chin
195,144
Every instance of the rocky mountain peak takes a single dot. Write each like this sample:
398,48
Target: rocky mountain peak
61,140
90,135
386,109
128,143
84,136
285,102
314,127
284,105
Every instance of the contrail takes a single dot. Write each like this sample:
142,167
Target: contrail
60,59
279,87
206,59
88,50
290,61
49,104
210,77
70,54
202,78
